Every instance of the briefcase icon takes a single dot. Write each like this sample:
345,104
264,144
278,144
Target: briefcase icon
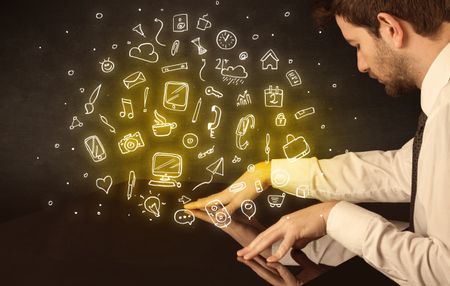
134,79
176,95
295,148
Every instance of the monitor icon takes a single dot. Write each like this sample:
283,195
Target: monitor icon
167,167
176,95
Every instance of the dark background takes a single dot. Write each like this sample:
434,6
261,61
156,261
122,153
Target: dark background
38,98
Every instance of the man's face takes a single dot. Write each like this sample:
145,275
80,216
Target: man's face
375,57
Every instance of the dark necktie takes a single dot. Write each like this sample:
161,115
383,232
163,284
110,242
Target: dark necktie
416,151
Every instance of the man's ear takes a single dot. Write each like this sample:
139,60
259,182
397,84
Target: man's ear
392,30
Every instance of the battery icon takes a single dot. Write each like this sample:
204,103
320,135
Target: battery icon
304,112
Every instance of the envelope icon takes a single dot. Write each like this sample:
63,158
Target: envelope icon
134,79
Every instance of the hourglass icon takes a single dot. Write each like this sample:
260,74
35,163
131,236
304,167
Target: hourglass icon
201,49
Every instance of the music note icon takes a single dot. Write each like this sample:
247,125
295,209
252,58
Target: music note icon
127,106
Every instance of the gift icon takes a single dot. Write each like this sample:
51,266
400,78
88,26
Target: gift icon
134,79
295,148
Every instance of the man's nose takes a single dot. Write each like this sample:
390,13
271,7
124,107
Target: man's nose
362,65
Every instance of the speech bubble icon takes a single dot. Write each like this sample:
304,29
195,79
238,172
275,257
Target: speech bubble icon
184,217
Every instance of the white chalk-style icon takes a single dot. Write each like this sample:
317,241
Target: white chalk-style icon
302,191
180,23
200,73
144,52
107,65
130,143
294,78
295,148
106,122
279,178
200,49
231,74
184,216
145,98
203,24
197,110
244,124
166,167
258,186
89,106
243,56
95,148
212,126
216,168
184,200
305,112
237,187
243,99
75,123
236,159
190,140
248,208
218,213
159,32
226,40
176,95
175,67
127,108
175,47
210,151
138,29
267,148
273,97
270,60
280,120
209,90
134,79
104,183
131,184
276,200
161,128
152,204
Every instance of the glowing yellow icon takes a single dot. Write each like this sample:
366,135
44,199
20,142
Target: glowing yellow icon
152,204
258,186
95,148
305,112
243,125
276,200
176,95
184,216
216,168
190,140
280,120
104,184
134,79
167,167
237,187
302,191
161,128
273,97
144,52
295,148
212,126
131,184
127,109
89,107
270,60
248,208
130,143
280,178
218,213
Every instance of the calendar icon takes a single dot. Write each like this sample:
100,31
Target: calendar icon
273,97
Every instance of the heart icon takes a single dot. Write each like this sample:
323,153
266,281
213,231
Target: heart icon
104,184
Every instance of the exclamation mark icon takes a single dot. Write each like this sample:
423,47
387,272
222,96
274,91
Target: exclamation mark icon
145,98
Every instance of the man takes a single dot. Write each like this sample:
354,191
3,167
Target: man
404,44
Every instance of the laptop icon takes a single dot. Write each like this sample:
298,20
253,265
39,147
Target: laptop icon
176,95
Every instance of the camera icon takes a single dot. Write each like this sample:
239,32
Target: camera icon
130,143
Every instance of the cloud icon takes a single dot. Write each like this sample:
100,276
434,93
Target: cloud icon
236,72
144,52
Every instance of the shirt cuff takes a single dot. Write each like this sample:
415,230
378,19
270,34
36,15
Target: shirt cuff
292,177
348,223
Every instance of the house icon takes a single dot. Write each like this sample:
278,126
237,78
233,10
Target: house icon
270,61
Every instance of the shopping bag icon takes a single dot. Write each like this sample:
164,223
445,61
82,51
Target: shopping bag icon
295,148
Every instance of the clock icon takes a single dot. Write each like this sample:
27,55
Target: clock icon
226,40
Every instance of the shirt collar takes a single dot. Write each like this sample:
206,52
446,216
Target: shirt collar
436,78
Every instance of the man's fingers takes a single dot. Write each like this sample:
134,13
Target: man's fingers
255,241
263,243
287,242
201,215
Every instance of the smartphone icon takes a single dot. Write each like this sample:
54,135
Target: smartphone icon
218,213
95,148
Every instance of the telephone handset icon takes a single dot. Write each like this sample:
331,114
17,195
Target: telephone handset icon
212,126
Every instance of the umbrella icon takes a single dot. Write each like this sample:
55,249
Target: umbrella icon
215,168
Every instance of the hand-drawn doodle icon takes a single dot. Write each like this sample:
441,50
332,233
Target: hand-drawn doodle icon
106,122
152,204
295,148
276,200
242,128
237,187
279,178
270,61
200,49
216,168
190,140
203,24
243,99
127,108
273,97
305,112
212,126
251,168
89,107
131,184
258,186
218,213
184,200
180,23
175,67
232,74
144,52
200,72
176,95
161,128
138,29
293,78
248,208
184,216
175,47
243,56
302,191
130,143
95,148
107,65
280,120
267,148
226,40
104,184
209,90
202,155
134,79
236,159
145,98
166,167
159,32
197,110
75,123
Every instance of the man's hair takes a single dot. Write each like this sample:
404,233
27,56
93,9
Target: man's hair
425,16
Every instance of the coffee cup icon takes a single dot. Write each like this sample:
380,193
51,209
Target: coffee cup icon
295,148
203,24
161,128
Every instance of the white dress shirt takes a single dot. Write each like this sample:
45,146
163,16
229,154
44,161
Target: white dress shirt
420,258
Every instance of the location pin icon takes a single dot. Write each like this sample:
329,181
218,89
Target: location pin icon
248,208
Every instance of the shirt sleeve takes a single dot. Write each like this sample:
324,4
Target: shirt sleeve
373,176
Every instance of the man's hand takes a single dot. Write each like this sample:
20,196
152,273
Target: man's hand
300,228
232,201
